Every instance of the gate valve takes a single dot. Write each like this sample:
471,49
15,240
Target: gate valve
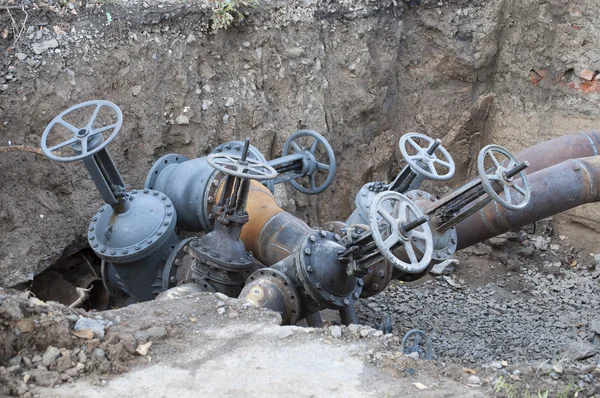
133,231
219,261
471,197
430,161
395,223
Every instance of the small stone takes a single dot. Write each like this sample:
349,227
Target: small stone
90,324
554,376
44,46
25,325
554,247
587,74
21,56
527,251
190,39
220,304
480,249
294,52
413,355
36,358
143,349
579,350
378,333
136,90
595,325
80,367
206,104
225,118
50,355
558,368
497,241
540,243
353,328
446,267
230,101
496,365
474,380
3,87
246,44
221,310
504,364
365,332
285,332
182,119
336,332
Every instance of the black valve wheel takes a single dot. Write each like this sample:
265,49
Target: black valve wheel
82,136
291,145
234,165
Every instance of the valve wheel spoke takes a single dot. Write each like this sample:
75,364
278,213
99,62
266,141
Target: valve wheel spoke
432,167
63,144
442,163
414,144
313,147
496,163
94,117
296,146
322,166
507,194
387,217
519,189
410,251
68,125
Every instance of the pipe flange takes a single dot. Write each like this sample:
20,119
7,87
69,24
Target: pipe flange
444,243
323,276
207,215
377,279
285,286
160,165
131,235
174,262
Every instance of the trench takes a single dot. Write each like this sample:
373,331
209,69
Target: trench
359,75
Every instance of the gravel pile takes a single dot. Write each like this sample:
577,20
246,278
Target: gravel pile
555,319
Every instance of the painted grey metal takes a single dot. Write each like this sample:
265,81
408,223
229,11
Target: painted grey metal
310,165
82,135
444,242
140,279
388,217
248,168
424,161
502,176
148,222
192,184
417,341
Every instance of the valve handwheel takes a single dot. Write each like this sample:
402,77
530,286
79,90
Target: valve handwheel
426,158
235,165
394,213
314,164
82,135
503,176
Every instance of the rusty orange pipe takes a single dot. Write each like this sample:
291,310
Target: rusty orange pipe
557,150
270,233
553,190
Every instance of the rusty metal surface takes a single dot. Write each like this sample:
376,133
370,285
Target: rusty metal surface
377,279
554,189
279,237
272,289
557,150
261,207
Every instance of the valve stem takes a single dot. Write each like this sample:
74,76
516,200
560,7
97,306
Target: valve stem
434,146
407,227
517,169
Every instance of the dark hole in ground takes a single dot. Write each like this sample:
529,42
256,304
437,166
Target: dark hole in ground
73,281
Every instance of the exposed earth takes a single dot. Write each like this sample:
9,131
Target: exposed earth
517,317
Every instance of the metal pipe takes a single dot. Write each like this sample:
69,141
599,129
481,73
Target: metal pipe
557,150
349,316
554,189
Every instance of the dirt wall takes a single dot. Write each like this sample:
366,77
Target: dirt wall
361,73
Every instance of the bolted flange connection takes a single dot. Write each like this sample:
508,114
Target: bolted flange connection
322,274
272,289
147,224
